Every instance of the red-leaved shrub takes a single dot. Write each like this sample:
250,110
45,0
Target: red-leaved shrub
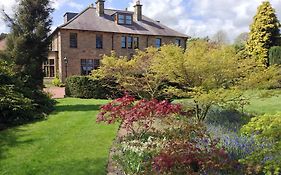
136,116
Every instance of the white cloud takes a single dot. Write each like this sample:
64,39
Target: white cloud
9,6
193,17
205,17
57,4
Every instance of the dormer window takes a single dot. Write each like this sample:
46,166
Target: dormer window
129,19
125,19
121,19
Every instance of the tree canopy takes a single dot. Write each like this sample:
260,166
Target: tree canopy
28,41
264,33
211,74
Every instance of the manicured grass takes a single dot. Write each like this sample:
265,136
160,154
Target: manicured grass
267,105
69,142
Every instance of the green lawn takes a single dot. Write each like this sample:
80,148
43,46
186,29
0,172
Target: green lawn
269,105
69,142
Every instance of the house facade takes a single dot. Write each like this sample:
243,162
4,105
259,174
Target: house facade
80,43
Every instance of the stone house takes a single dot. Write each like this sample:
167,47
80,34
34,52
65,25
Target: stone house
79,44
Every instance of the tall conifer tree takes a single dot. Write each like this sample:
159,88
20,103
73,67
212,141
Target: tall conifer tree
264,33
28,42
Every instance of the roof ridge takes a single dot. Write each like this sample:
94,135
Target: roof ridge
78,14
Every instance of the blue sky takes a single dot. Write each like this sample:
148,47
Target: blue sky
197,18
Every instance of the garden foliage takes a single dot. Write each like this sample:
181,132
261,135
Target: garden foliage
266,131
87,87
135,76
264,33
210,74
161,141
22,98
16,104
275,55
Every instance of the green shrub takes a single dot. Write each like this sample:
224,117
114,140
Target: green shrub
19,104
14,107
56,82
87,87
275,55
267,130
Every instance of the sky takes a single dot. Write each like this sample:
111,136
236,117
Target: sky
196,18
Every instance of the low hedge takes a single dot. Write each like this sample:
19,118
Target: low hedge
87,87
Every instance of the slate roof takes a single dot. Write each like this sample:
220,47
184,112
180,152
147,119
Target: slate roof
90,21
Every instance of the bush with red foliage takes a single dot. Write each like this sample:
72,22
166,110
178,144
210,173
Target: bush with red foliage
189,150
186,147
185,157
137,116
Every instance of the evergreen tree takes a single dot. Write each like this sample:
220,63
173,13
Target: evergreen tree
28,42
264,33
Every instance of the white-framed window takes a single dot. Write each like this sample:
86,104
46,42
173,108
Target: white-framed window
49,68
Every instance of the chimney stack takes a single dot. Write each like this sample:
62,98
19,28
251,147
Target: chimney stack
100,7
138,11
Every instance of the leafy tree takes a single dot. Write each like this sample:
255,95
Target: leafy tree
213,75
3,36
134,76
21,96
241,38
264,33
240,44
28,41
220,37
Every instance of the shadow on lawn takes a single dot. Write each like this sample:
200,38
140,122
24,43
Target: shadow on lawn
76,108
231,119
9,138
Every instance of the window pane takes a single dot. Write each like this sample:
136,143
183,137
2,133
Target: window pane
96,63
52,71
121,19
52,61
124,42
46,71
87,65
158,42
178,42
130,42
136,43
128,19
73,40
99,41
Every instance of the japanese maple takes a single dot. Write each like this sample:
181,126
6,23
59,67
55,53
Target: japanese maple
137,116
